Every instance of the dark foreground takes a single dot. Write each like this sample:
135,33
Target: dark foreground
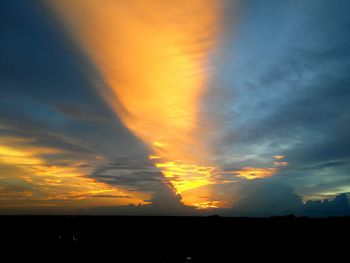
175,239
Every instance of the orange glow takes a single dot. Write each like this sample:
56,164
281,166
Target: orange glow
208,205
254,173
280,163
152,157
186,176
24,165
279,157
153,56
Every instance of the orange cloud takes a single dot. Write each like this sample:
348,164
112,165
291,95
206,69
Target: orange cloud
280,163
255,173
153,56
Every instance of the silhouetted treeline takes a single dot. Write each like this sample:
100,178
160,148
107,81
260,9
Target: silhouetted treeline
174,239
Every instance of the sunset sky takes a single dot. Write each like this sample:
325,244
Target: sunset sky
186,107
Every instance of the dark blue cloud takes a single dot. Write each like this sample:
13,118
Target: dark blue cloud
264,198
283,75
339,206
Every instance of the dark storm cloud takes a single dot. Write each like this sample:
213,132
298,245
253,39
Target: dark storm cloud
263,198
339,206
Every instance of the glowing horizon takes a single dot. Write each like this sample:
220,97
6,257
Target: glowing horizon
25,163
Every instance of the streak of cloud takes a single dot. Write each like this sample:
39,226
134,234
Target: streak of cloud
30,179
153,56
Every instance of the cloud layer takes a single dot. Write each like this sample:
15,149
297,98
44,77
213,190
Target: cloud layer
277,104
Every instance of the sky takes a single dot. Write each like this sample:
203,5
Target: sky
236,108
